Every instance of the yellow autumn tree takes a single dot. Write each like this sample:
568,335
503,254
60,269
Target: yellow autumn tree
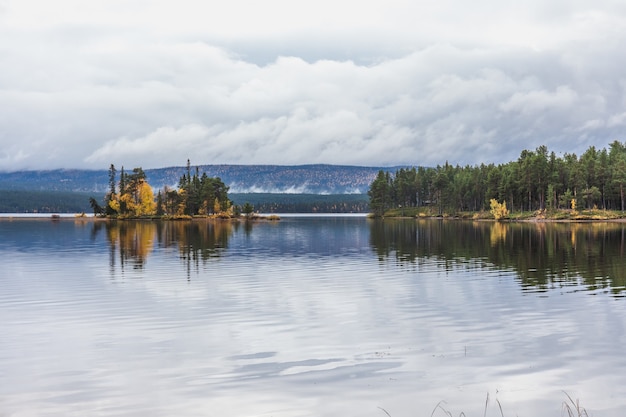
135,198
114,203
147,206
182,205
498,210
127,204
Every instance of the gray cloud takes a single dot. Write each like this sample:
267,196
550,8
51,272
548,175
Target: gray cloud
365,85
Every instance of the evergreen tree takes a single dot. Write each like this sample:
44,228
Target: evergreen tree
379,194
160,211
536,180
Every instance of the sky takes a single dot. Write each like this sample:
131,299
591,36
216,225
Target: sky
152,83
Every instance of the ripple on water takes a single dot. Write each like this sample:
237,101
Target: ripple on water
264,327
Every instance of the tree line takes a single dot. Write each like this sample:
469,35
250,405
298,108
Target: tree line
303,203
537,180
29,201
130,195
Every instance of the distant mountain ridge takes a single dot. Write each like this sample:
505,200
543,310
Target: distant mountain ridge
283,179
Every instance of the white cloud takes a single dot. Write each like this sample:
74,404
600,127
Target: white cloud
152,84
535,102
617,120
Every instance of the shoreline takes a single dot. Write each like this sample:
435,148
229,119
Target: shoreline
538,216
91,218
524,220
475,217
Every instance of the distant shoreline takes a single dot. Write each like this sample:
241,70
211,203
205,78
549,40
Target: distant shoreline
56,217
487,220
559,216
85,218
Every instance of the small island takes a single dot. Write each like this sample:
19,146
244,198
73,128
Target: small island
197,196
538,186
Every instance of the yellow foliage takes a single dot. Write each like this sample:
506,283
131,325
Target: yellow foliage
129,203
180,209
573,203
147,206
203,210
498,210
115,205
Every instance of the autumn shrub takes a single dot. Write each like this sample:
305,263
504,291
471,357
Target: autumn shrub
498,210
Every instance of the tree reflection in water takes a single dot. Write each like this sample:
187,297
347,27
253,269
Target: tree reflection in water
197,241
131,242
543,255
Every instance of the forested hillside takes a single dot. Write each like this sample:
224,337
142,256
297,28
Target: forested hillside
299,179
270,188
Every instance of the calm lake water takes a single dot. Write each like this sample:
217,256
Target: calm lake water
311,316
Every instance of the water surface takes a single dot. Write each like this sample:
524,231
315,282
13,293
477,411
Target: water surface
310,316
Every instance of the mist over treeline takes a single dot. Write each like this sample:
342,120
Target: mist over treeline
279,179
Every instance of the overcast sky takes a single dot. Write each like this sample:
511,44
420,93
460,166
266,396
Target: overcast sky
150,83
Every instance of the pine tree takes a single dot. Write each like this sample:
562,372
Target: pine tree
379,194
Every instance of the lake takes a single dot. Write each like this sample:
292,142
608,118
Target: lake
311,316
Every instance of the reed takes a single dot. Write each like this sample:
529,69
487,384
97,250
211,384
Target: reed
570,408
439,406
573,408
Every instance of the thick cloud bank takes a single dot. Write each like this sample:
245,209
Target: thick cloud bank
143,83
